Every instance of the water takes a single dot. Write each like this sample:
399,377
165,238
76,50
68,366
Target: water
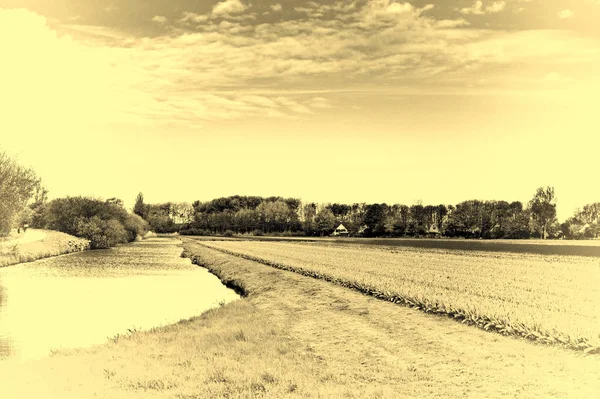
83,299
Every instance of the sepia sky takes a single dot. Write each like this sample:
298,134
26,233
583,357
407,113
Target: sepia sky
329,101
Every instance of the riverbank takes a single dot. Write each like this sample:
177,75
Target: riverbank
294,336
38,244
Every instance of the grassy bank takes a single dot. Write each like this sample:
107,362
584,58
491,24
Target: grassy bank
52,243
298,337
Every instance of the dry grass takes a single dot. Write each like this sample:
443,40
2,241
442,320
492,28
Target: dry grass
549,299
55,243
297,337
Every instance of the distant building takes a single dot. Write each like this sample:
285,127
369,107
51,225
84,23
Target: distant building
433,231
341,230
583,229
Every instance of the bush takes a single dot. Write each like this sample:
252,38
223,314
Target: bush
101,233
228,233
135,226
258,232
104,223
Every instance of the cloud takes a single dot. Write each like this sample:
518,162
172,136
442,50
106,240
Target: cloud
478,9
111,8
276,7
193,17
229,7
160,19
320,102
565,14
223,69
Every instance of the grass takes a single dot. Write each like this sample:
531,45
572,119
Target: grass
55,243
298,337
550,299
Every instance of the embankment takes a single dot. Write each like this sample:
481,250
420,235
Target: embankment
50,243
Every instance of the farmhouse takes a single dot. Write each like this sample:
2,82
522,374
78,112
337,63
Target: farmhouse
341,230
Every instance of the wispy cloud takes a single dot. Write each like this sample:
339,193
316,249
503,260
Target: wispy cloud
565,14
160,19
213,68
478,8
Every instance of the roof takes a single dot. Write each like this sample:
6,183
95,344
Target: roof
341,227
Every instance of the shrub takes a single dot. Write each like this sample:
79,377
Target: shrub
228,233
258,232
102,234
104,223
135,226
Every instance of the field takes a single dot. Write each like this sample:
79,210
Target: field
547,298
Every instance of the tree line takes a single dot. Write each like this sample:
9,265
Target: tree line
24,200
290,216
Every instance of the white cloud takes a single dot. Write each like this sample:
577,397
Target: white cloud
451,23
565,14
193,17
478,9
497,6
427,7
159,19
276,7
111,8
229,7
320,102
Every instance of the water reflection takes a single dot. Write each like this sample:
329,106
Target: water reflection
83,299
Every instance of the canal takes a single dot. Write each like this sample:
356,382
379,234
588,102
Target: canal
86,298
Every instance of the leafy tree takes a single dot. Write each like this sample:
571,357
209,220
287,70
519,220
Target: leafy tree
325,221
375,219
543,209
309,212
17,186
139,208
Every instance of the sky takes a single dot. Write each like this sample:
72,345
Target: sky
327,101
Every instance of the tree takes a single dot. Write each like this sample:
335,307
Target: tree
139,208
17,187
325,221
543,209
375,219
309,211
